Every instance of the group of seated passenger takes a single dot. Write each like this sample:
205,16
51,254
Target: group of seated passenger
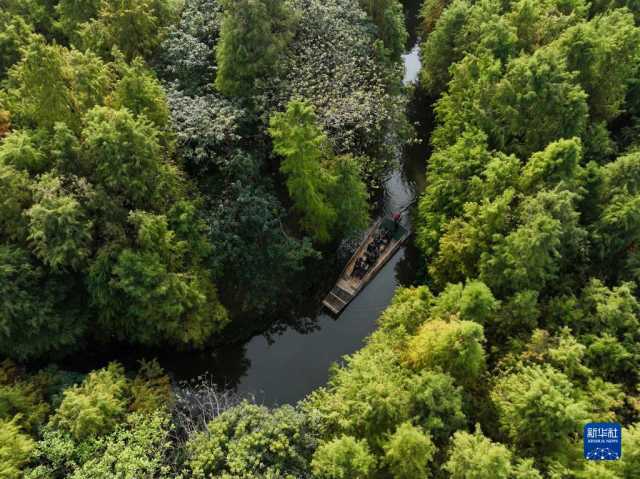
371,255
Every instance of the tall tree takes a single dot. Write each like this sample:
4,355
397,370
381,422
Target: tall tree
388,16
253,36
304,146
349,195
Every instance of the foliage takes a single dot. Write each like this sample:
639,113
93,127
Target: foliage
327,196
349,195
58,227
32,319
139,92
96,406
253,37
134,27
151,389
249,441
21,401
258,257
15,34
408,452
15,449
186,54
207,129
388,16
539,409
373,394
343,458
53,84
334,64
474,456
131,191
454,346
160,299
135,449
303,145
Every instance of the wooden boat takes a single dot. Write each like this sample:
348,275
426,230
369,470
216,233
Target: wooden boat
349,285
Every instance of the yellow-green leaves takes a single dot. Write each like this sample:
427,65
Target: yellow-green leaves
96,406
15,450
328,191
453,346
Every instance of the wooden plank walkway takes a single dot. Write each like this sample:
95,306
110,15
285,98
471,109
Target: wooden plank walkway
349,285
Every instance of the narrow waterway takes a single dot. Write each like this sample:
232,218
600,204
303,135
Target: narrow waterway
284,367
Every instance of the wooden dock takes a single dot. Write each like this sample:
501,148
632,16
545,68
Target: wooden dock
348,285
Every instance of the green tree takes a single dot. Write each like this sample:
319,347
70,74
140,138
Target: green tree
348,194
548,238
32,322
454,346
409,308
141,93
408,452
95,407
151,389
16,197
40,14
304,146
72,13
15,34
430,13
618,224
59,230
155,289
537,102
15,450
540,410
257,256
343,458
253,37
21,400
372,396
135,27
605,52
137,448
250,441
22,150
125,154
470,302
474,456
52,84
440,49
369,398
538,23
557,164
388,16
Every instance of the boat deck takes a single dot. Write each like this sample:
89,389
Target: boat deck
349,285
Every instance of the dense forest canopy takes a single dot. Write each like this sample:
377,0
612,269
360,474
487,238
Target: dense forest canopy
172,170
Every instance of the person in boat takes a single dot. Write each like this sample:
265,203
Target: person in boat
396,221
360,268
381,240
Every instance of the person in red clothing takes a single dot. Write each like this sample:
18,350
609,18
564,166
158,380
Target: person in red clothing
396,221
